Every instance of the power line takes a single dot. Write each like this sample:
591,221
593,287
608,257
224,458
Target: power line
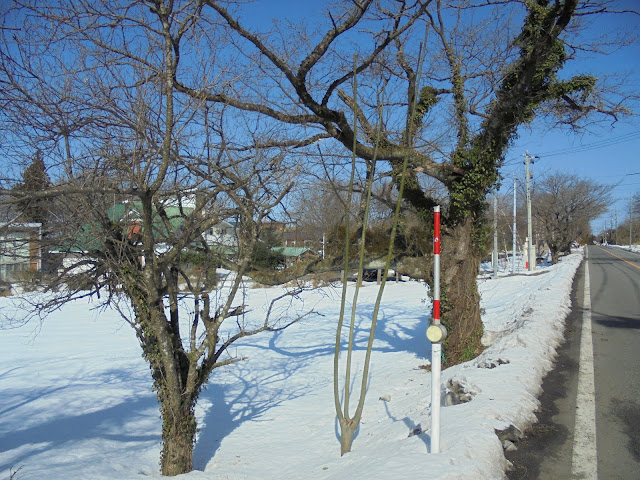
627,137
593,146
619,175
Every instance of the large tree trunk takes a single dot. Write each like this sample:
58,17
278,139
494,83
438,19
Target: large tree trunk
169,368
459,293
178,437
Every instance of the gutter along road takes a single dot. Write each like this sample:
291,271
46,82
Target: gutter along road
589,420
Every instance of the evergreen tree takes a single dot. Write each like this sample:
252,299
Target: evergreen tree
34,179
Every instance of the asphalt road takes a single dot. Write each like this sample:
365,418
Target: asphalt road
589,420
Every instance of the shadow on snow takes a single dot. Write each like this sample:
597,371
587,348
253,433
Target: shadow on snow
242,396
68,426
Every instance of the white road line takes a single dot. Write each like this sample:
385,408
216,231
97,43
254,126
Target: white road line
585,459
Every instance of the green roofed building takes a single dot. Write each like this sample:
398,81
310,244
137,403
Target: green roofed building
294,254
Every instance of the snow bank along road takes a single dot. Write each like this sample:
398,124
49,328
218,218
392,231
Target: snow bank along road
590,416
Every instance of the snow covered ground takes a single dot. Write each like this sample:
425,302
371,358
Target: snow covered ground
632,248
76,400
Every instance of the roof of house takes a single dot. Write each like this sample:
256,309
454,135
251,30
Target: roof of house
291,251
90,235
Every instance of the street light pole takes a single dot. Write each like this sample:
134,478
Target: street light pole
513,247
530,255
495,234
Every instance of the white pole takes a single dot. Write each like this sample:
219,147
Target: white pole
436,367
530,255
513,248
495,234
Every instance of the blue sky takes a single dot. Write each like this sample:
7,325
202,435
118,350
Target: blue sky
605,153
609,156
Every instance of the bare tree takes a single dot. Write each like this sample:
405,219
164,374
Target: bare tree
635,205
563,205
489,67
141,173
629,228
318,209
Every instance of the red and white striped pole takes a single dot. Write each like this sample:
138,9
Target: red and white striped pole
436,265
436,333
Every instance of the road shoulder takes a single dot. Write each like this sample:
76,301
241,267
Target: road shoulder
546,449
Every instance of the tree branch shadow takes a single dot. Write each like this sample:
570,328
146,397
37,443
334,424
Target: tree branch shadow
243,397
240,399
66,426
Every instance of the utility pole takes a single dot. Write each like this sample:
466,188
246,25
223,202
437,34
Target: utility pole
513,247
495,234
630,221
611,236
530,255
324,240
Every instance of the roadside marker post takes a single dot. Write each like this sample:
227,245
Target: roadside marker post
436,333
